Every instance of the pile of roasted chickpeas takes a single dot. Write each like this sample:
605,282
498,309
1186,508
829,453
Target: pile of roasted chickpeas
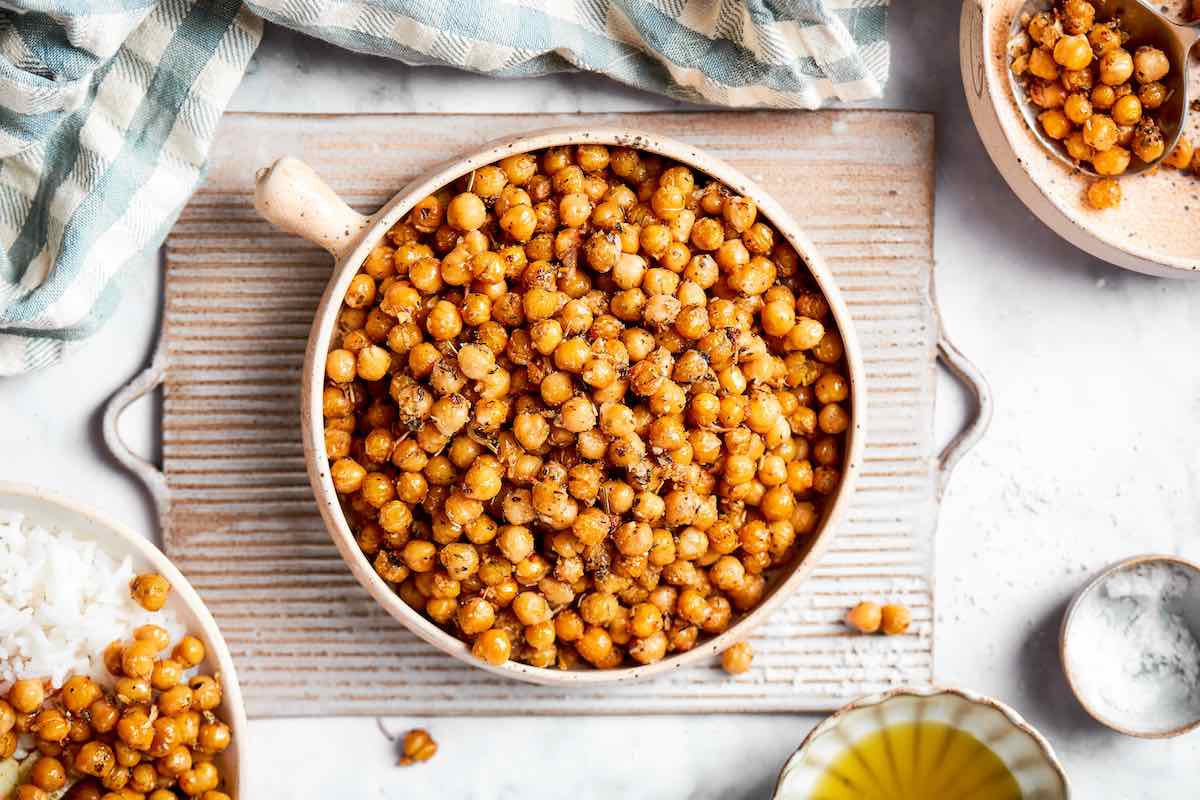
579,404
1097,98
152,736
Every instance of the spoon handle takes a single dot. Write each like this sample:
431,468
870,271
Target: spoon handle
1187,33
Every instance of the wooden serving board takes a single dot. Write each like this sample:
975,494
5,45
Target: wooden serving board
237,512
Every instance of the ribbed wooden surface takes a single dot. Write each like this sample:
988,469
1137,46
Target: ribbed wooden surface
307,639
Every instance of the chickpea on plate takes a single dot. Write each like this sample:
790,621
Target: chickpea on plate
580,403
147,728
1098,98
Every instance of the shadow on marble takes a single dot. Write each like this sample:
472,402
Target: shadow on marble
1053,707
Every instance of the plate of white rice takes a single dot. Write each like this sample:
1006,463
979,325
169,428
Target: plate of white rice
64,596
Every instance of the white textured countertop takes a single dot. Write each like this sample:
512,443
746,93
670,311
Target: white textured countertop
1093,455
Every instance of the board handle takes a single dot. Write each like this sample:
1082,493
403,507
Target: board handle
291,196
149,474
965,371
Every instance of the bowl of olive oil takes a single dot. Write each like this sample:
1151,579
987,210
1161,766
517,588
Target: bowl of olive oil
923,744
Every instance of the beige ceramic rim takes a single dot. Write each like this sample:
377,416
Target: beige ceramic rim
990,109
232,707
1017,721
1063,637
290,195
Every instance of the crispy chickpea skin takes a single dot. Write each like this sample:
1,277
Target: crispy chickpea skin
582,404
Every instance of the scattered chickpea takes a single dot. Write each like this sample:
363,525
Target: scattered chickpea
866,617
895,619
1104,193
737,658
493,646
416,747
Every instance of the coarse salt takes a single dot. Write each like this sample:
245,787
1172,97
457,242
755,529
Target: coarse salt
1132,652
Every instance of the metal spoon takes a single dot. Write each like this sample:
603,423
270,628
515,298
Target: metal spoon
1146,26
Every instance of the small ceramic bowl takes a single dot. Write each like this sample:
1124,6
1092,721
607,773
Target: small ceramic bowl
290,195
1023,751
1153,230
54,512
1077,642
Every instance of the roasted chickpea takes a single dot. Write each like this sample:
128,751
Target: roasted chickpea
95,759
150,591
417,746
493,646
1043,65
1127,110
190,651
1113,161
26,696
1073,52
737,658
1150,64
1115,67
1100,132
1181,156
466,212
895,619
866,617
48,774
1078,16
1055,124
1152,95
1147,143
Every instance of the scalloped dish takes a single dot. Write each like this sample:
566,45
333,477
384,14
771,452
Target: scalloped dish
920,745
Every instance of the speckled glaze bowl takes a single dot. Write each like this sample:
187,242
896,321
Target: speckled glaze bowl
1027,755
58,513
1153,230
1075,646
290,195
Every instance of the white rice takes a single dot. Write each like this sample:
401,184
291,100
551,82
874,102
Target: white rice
62,601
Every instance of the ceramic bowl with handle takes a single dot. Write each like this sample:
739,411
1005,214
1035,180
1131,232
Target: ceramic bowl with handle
1023,751
58,513
293,197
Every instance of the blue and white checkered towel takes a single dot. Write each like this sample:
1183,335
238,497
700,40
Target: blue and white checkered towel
107,108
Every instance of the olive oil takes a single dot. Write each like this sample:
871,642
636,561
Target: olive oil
918,761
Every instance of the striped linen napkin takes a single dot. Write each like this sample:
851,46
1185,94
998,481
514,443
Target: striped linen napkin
107,108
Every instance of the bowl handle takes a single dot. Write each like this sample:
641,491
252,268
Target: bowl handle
969,375
151,476
962,368
291,196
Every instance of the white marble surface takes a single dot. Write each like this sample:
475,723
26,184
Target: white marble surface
1092,456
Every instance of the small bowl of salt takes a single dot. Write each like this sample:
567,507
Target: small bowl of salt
1130,646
